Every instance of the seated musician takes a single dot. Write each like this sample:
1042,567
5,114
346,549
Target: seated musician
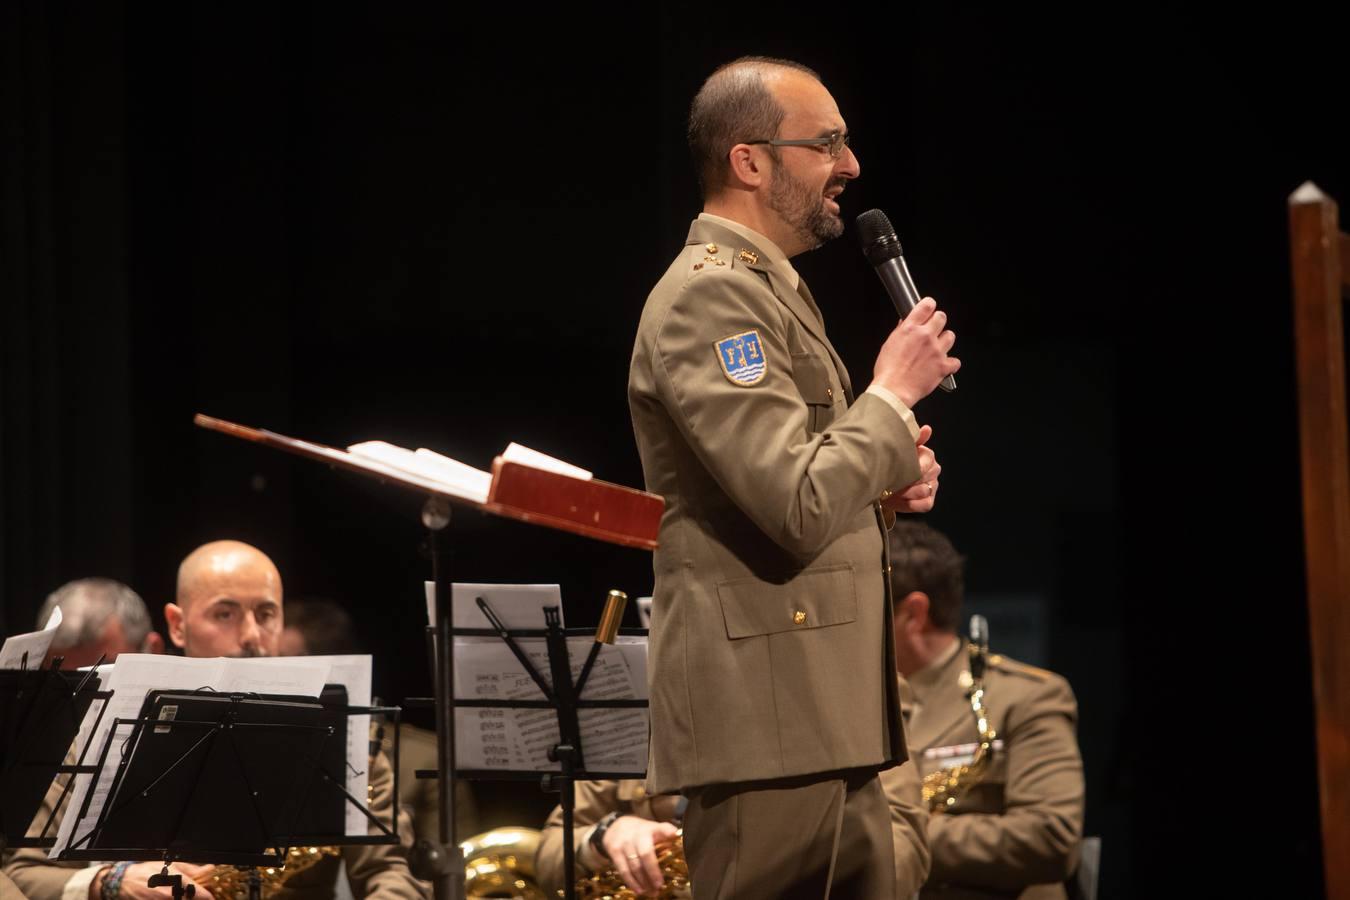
1014,828
229,603
100,619
621,827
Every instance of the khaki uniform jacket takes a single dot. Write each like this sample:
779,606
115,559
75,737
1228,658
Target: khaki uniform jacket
9,890
1016,833
379,871
596,799
420,798
771,647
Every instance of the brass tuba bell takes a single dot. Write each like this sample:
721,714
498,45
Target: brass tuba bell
500,863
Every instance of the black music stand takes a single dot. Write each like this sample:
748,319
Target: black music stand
561,694
40,714
194,750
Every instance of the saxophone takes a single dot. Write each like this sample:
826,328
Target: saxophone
943,788
500,863
607,885
232,882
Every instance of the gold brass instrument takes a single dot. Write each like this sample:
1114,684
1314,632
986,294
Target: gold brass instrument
607,885
943,788
497,863
500,863
231,882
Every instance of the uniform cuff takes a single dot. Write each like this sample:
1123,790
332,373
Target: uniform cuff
588,857
901,410
77,886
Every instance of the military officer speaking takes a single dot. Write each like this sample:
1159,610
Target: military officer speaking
774,701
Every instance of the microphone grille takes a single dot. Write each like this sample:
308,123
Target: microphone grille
872,225
877,237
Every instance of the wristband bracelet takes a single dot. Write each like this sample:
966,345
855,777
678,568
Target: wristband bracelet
597,837
112,884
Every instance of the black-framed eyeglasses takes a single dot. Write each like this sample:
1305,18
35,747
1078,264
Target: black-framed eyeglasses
835,143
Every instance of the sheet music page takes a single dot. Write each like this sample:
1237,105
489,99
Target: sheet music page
613,740
34,645
517,453
133,675
445,468
432,469
517,605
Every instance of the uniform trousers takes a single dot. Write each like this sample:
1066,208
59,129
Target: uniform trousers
818,836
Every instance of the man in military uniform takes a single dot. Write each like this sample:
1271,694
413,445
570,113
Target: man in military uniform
615,818
1015,833
773,696
229,604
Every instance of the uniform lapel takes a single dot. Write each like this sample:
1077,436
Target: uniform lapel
839,366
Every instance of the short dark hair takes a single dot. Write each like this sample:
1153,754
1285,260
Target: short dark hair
733,106
326,626
923,559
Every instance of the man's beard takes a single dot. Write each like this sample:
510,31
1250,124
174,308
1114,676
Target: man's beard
804,209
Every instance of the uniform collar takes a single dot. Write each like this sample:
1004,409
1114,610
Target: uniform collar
936,673
773,255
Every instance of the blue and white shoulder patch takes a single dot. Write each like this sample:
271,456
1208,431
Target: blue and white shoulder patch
742,358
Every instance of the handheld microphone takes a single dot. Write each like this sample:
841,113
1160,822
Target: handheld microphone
882,249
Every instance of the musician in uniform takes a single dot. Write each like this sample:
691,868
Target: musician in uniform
774,701
1015,832
615,818
229,603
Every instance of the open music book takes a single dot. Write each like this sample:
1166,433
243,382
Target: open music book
452,476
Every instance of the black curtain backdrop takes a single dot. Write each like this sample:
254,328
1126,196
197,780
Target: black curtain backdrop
437,228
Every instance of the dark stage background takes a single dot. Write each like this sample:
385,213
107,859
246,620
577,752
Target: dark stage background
397,221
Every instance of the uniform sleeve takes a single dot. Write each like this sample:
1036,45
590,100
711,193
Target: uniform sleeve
35,875
1036,839
381,870
594,800
801,489
909,827
9,889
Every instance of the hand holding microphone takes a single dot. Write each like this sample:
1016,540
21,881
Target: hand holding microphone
913,360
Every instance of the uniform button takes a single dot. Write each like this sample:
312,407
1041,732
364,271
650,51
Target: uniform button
829,392
799,617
